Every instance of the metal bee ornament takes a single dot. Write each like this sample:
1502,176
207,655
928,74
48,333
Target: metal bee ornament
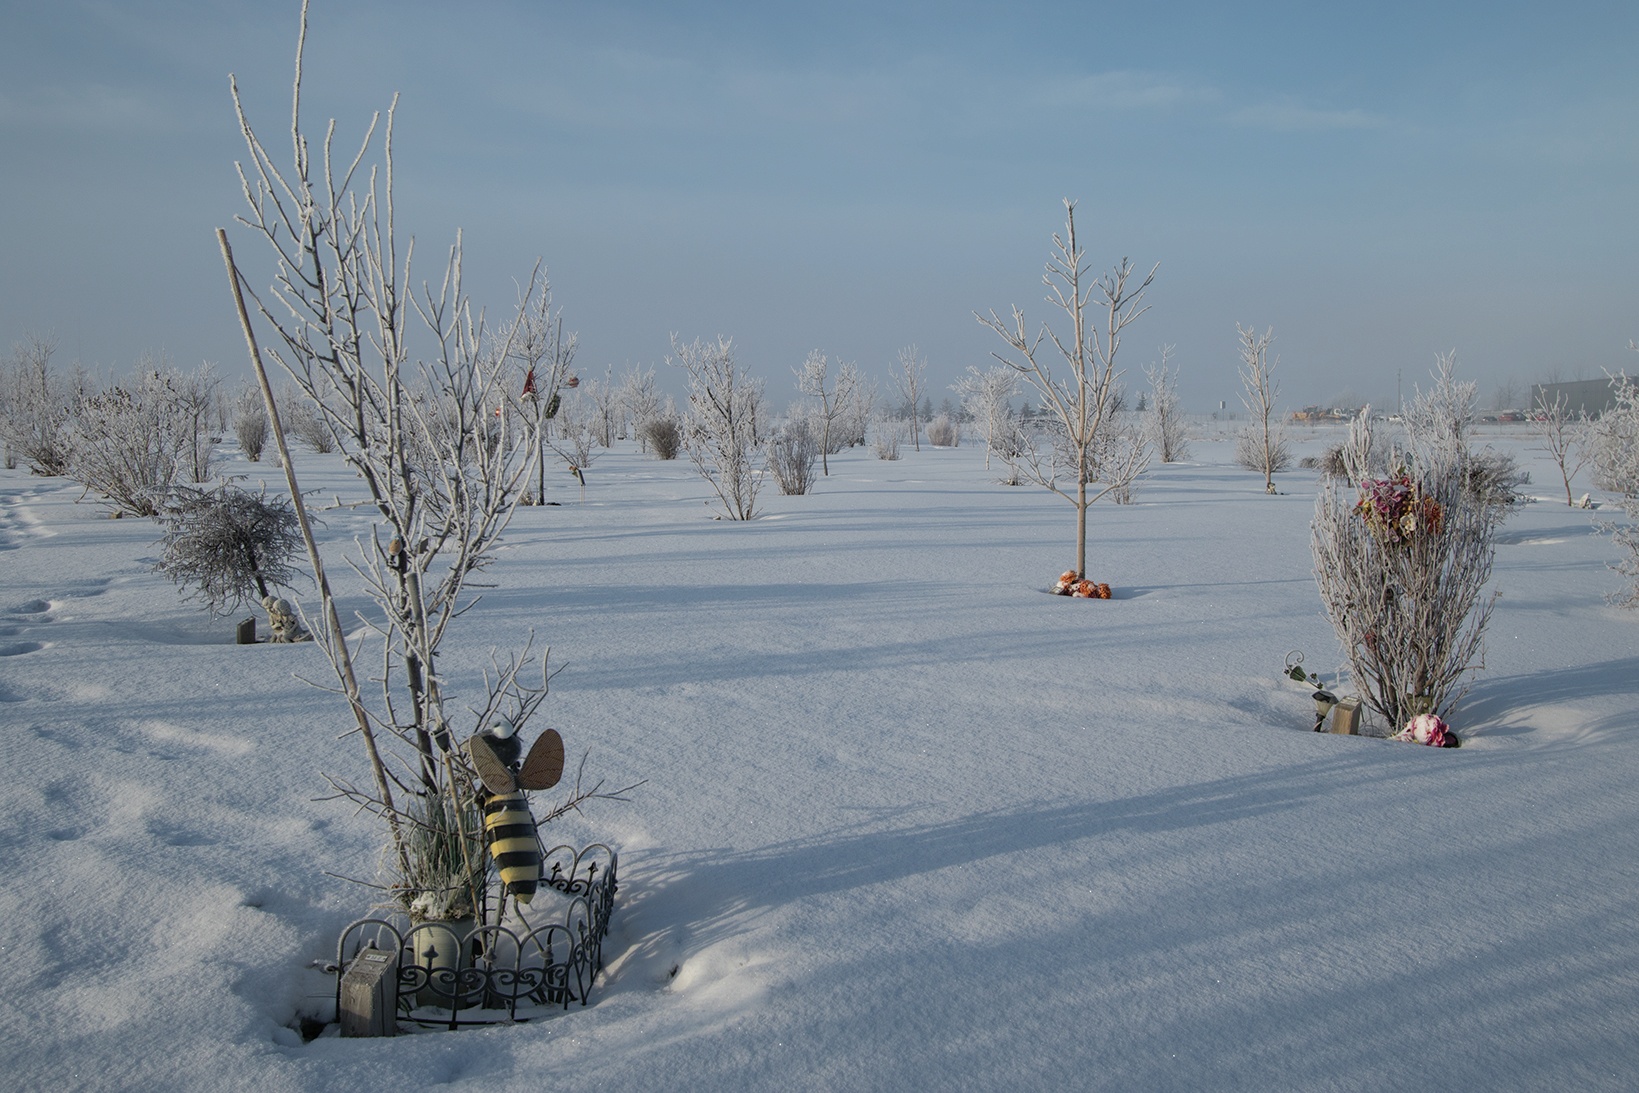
509,825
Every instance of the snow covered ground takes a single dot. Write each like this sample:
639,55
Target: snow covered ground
909,821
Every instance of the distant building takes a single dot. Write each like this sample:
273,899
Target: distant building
1590,397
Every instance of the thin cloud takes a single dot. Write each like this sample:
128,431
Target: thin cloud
1126,90
1293,118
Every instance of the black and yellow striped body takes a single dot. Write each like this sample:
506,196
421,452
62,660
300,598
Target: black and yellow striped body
509,830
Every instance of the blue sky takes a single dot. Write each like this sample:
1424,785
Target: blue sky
1377,182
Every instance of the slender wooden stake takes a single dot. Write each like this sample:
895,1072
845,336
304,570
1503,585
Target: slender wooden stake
343,659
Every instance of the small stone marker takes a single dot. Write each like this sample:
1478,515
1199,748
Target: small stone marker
369,994
1346,717
246,633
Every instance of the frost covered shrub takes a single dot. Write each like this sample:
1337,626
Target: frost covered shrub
943,432
1167,431
304,422
663,435
791,455
250,426
721,425
228,545
133,444
1616,468
36,406
885,439
1401,560
1615,443
1495,479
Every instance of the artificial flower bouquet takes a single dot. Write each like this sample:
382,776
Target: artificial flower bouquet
1427,728
1070,583
1397,509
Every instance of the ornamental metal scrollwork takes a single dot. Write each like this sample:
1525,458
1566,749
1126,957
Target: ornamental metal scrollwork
498,973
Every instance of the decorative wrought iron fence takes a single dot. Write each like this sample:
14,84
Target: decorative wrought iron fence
456,974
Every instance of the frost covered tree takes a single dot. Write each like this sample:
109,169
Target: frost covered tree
403,378
1561,434
836,394
1261,446
721,425
196,397
1090,444
986,398
577,433
542,357
1439,420
228,545
36,406
1168,433
640,402
911,379
601,407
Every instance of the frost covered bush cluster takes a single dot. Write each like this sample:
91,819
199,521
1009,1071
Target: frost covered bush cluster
130,442
36,406
1615,457
133,443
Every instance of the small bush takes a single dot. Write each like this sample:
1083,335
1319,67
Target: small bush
886,438
664,436
1495,479
943,432
228,545
791,456
250,428
1616,468
36,408
304,422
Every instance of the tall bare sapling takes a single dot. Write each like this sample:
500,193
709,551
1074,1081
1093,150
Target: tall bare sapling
1092,452
403,379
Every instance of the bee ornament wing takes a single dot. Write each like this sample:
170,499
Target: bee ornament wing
491,771
544,765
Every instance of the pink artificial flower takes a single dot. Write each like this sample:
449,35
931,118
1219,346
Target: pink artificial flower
1427,728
